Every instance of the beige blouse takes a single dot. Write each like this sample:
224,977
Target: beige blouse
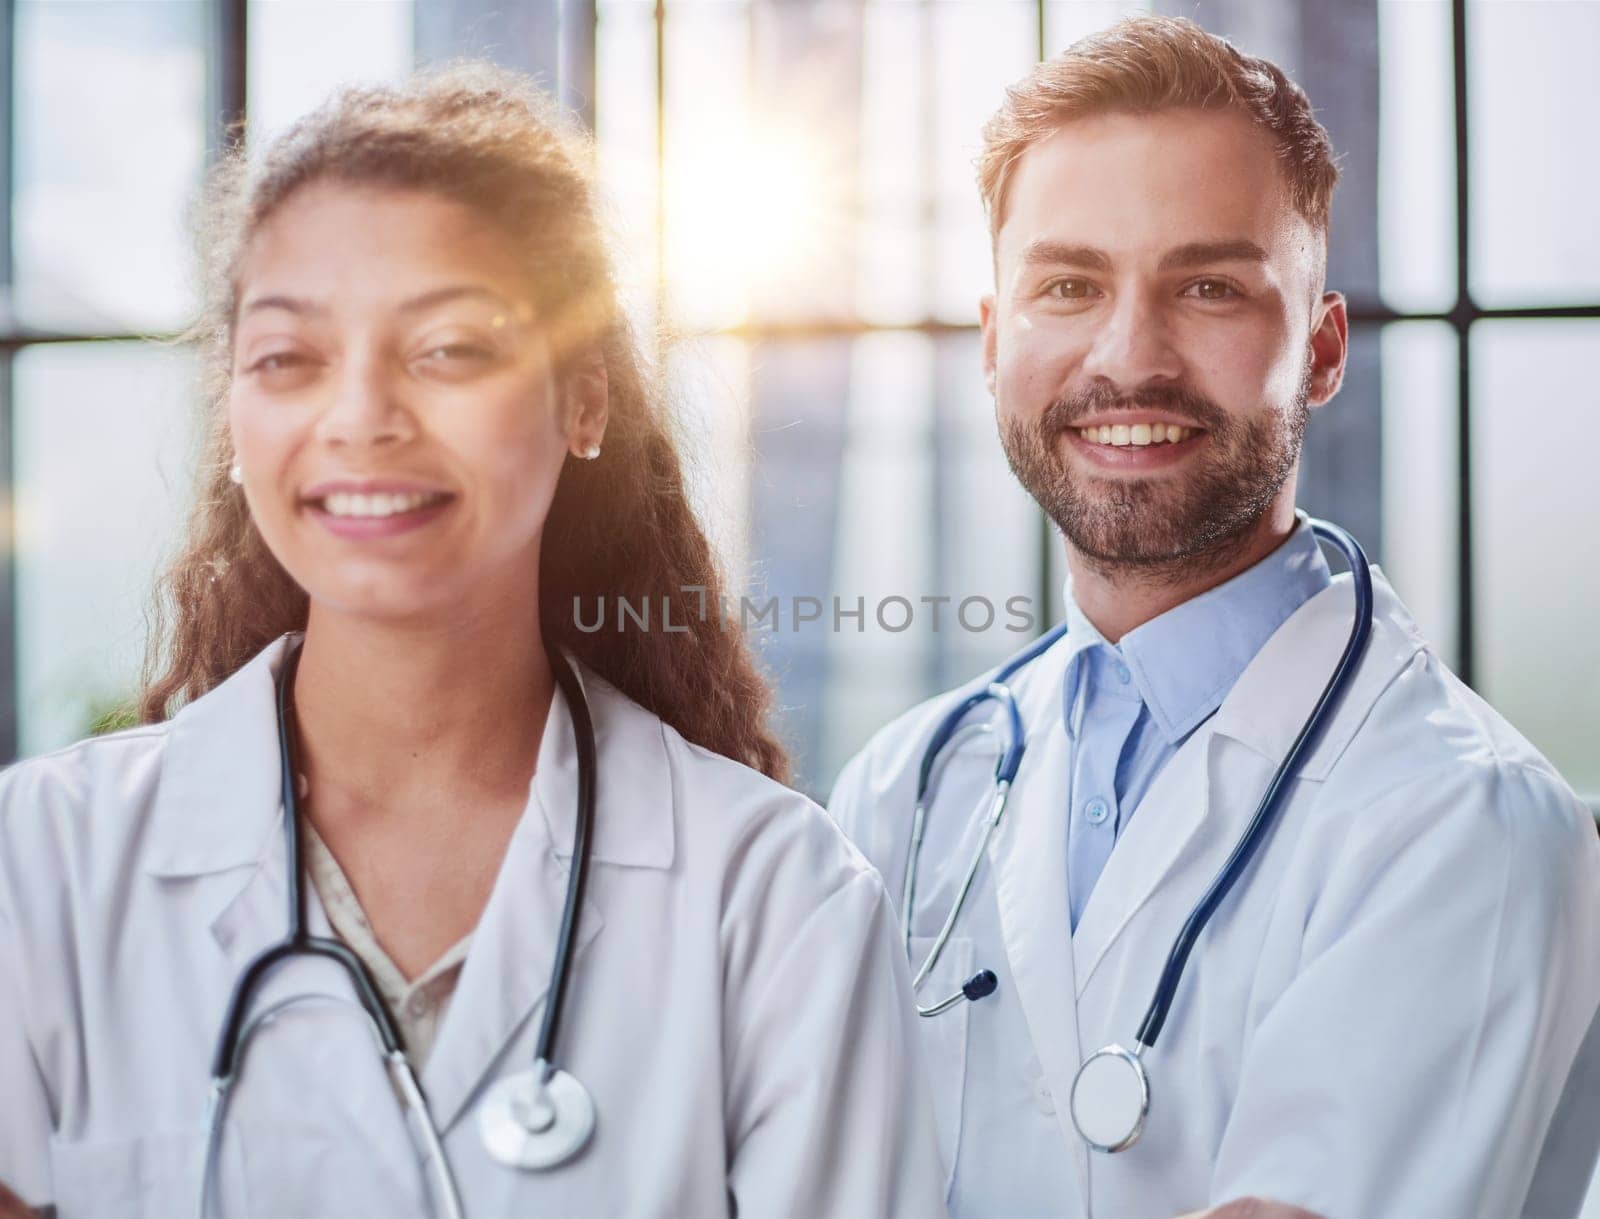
418,1006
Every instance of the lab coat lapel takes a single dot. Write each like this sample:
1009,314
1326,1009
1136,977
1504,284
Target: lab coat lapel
1200,804
1028,854
357,1088
507,971
1156,837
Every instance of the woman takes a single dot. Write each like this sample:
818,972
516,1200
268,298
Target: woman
431,438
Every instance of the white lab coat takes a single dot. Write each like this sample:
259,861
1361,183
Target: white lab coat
738,1004
1377,1023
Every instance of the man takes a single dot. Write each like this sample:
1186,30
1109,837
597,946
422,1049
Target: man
1381,1018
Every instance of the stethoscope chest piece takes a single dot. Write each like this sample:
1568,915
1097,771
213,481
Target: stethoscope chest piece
1111,1099
526,1126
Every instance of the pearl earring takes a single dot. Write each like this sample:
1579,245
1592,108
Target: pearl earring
236,474
590,452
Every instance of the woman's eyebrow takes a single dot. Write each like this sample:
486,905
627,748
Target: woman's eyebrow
452,292
292,304
417,304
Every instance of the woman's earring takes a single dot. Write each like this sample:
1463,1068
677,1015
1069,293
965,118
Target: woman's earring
236,474
591,451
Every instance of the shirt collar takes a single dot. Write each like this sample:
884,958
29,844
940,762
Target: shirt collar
1185,661
219,802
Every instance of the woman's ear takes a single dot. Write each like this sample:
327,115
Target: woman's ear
585,403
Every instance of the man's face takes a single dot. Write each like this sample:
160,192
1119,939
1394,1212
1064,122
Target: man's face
1156,337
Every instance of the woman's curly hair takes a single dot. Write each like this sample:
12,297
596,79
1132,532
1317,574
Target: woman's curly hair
620,527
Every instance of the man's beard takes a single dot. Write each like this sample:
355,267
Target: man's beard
1174,524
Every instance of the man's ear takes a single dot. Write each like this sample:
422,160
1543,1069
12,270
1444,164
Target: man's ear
1330,344
585,400
987,328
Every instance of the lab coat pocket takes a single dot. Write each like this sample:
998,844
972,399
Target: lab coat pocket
944,1041
154,1176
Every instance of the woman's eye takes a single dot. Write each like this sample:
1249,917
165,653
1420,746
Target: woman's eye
279,361
1212,289
457,353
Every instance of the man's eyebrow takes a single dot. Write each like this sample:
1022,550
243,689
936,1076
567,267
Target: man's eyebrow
1200,253
417,304
1060,253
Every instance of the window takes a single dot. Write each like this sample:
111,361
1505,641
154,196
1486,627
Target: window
792,185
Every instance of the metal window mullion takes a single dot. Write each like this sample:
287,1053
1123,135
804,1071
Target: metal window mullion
1046,537
8,563
227,74
1462,318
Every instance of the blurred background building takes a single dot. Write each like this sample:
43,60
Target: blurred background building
791,185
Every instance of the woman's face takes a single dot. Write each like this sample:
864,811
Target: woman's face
394,408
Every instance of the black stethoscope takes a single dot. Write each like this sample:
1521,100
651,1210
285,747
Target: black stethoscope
534,1119
1111,1092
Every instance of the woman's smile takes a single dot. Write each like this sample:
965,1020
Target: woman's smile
375,508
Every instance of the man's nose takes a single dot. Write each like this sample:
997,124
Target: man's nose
1133,344
365,406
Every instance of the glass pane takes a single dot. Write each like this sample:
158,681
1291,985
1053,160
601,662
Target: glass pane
1416,156
980,47
1536,551
884,547
710,229
897,246
95,517
763,106
710,380
923,494
1534,95
625,130
302,50
1066,21
110,139
1420,491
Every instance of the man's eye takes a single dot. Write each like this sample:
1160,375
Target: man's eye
1211,289
1069,289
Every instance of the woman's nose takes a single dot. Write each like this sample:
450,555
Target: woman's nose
365,406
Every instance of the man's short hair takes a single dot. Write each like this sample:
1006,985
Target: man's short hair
1142,65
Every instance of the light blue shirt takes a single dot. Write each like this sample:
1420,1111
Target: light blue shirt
1128,707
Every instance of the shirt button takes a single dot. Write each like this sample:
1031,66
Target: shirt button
1123,675
1097,810
1042,1097
415,1006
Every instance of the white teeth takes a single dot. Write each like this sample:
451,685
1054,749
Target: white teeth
343,503
1138,434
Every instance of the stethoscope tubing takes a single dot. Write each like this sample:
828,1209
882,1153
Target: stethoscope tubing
298,941
235,1031
1266,812
578,877
1010,759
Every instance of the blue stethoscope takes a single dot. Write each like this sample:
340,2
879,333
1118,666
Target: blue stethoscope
1111,1093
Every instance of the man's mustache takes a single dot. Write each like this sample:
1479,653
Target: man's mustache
1070,411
